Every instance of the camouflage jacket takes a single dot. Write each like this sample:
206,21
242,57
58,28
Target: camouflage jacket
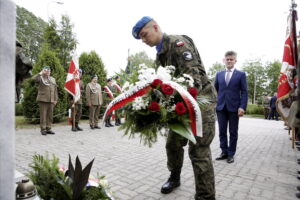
181,52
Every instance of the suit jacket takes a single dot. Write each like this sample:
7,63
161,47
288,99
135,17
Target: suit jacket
93,94
47,89
273,102
235,95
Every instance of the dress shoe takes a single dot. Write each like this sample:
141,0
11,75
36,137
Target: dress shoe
50,132
298,187
92,127
297,142
117,124
73,129
298,171
97,127
230,159
298,195
223,156
169,186
43,132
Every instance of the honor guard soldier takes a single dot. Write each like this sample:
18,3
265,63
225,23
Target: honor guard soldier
181,52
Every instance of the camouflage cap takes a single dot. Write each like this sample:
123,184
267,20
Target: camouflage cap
139,25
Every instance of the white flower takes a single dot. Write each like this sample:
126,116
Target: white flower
103,183
163,74
139,103
180,80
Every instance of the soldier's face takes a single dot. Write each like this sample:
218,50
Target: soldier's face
47,72
149,36
230,61
94,80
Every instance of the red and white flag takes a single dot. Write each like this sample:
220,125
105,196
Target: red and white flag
285,85
73,78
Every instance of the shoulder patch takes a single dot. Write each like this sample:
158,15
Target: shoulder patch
179,43
187,55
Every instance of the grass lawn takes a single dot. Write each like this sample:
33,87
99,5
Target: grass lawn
21,123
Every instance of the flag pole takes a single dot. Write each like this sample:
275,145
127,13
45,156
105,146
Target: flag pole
74,111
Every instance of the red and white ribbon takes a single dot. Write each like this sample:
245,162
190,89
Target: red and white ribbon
193,108
107,90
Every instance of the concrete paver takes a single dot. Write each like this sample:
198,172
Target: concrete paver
265,165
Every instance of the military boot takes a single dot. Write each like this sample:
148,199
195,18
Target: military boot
77,127
110,124
106,123
173,182
117,122
73,128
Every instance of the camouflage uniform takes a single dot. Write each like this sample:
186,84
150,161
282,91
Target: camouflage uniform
180,51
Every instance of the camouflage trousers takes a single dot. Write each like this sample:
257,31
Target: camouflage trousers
200,156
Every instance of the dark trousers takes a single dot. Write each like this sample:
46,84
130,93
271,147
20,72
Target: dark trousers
224,118
273,114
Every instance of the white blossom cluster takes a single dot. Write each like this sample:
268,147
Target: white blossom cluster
139,103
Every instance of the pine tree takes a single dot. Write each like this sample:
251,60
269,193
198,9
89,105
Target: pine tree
31,108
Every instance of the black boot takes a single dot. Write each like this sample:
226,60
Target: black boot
173,182
92,126
77,127
106,123
117,122
110,124
73,129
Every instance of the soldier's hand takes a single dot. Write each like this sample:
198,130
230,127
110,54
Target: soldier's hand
55,102
241,112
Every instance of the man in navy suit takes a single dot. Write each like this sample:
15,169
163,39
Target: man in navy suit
231,85
273,111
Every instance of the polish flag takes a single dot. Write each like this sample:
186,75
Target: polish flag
285,85
72,82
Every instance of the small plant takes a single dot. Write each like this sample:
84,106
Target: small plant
52,182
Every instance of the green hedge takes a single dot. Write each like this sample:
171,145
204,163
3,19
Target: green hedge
18,109
254,109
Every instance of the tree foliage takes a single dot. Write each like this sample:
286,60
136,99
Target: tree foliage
30,30
212,71
273,73
60,39
256,79
137,59
31,108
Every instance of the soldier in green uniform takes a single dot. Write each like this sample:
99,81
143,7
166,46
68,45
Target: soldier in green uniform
181,52
47,98
77,106
94,100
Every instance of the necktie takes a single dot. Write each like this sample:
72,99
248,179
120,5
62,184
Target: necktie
227,78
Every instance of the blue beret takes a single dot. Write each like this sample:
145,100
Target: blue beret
139,25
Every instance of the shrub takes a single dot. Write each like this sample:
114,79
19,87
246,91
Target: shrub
254,109
18,109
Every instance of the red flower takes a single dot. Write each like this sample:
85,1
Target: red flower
193,92
156,83
180,108
154,106
167,89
